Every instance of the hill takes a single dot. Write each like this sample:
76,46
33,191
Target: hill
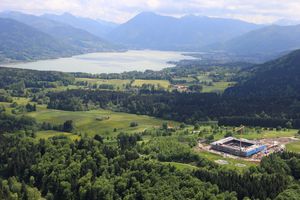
149,30
268,40
95,27
19,42
277,78
80,40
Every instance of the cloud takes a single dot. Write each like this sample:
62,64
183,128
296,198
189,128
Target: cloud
121,10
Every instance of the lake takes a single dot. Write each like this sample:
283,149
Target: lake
107,62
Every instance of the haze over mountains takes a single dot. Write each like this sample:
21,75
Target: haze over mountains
149,30
96,27
152,31
268,40
79,39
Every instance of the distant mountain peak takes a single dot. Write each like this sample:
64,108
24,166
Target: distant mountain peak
96,27
147,13
154,31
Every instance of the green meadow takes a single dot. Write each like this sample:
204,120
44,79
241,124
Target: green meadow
217,87
103,122
117,83
235,164
49,134
162,83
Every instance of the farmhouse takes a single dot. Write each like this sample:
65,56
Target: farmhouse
238,147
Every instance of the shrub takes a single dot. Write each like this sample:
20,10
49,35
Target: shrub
133,124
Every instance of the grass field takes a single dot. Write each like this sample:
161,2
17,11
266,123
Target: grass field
217,87
294,147
265,134
49,134
232,163
163,83
86,122
204,77
117,83
270,134
187,79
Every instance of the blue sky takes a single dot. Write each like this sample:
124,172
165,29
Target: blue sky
259,11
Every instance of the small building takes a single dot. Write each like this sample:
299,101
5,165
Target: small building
238,147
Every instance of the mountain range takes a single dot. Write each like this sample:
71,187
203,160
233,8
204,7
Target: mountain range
148,30
80,40
268,40
98,28
151,31
22,42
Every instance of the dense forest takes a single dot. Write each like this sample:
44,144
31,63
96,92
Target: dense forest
32,78
60,168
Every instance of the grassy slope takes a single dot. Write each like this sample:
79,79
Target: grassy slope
163,83
217,87
85,122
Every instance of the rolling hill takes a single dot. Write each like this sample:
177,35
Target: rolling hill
79,39
268,40
20,42
152,31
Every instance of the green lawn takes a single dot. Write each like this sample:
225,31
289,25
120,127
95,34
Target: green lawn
86,122
294,147
163,83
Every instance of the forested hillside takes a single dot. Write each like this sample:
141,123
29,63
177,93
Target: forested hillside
19,42
59,168
71,40
32,78
277,78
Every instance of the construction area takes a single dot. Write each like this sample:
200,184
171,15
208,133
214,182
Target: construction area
238,147
249,150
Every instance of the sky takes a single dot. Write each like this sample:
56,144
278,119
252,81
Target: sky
258,11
